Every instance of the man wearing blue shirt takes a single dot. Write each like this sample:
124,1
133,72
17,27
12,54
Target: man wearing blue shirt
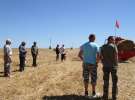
89,54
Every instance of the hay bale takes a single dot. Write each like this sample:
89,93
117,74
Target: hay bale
126,45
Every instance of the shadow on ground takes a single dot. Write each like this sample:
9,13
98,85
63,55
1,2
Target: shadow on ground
70,97
76,59
1,75
2,72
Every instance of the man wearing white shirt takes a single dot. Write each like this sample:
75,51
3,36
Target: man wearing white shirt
62,52
7,58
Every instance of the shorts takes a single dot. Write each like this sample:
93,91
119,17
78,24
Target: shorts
90,70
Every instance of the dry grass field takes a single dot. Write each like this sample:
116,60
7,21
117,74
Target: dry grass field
53,80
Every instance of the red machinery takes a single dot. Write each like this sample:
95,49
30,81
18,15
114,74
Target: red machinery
125,55
126,48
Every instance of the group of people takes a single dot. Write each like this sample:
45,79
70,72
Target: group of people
23,53
60,51
90,53
22,56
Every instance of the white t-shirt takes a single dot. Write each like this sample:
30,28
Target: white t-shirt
7,50
62,50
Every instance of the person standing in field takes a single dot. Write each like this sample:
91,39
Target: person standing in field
57,52
7,58
109,56
34,52
22,56
89,54
62,52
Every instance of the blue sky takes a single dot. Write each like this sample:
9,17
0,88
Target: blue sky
66,22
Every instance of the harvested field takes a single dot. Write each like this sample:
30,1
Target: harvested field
53,80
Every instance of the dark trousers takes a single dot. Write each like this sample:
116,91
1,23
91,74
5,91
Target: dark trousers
57,57
107,72
22,63
63,57
34,60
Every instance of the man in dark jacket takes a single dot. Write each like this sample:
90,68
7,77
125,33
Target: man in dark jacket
22,55
34,52
57,52
109,56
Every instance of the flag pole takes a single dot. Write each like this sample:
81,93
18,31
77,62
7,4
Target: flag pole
115,31
50,47
116,27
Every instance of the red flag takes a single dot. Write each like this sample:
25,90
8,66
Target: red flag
117,24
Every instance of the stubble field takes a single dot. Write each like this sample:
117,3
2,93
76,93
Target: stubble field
52,80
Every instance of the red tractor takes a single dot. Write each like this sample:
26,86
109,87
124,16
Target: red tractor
126,48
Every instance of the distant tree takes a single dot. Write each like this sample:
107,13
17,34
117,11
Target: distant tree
71,48
54,49
50,47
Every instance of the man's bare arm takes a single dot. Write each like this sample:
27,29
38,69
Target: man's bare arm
80,54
